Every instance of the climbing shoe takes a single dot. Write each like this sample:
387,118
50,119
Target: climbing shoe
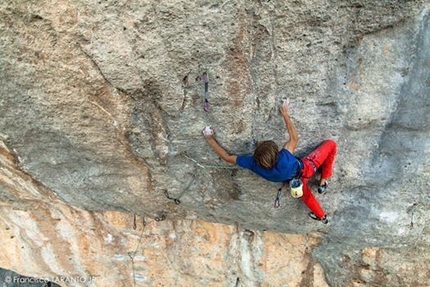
322,188
314,217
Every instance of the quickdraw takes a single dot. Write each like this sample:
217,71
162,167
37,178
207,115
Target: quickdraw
176,200
160,218
277,203
205,79
135,222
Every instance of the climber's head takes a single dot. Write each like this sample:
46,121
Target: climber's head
266,154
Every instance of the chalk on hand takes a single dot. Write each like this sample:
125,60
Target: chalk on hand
207,131
286,102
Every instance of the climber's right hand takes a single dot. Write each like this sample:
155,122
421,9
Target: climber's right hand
208,132
284,107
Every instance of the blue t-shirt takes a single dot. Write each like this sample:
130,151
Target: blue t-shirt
286,165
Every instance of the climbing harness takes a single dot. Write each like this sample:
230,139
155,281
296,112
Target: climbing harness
298,173
205,80
295,185
314,166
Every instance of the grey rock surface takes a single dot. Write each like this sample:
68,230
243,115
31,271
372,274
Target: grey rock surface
101,104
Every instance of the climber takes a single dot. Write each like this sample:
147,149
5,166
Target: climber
281,166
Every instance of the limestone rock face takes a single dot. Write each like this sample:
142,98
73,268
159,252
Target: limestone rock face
102,117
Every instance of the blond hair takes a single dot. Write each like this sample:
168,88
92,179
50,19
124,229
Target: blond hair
266,154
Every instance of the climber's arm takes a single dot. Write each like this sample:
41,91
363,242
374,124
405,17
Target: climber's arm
292,142
208,133
220,151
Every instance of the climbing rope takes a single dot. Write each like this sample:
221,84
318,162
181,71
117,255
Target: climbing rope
177,199
132,254
206,166
200,168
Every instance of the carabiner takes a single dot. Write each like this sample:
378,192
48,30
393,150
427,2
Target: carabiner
277,203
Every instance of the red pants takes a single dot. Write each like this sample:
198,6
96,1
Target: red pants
322,157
